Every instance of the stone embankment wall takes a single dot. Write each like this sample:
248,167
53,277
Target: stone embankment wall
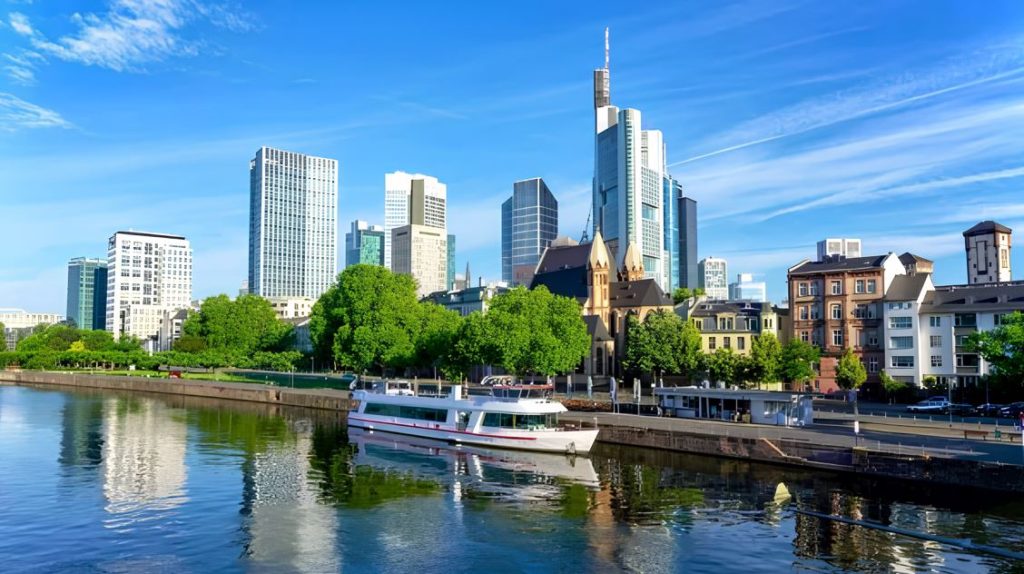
306,398
952,472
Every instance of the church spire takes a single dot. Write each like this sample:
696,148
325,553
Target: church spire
632,265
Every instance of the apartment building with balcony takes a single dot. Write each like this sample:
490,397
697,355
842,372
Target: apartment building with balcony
835,303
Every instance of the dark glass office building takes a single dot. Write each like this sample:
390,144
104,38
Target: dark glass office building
364,244
685,259
529,223
87,292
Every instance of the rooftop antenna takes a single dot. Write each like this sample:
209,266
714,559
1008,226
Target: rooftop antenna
606,48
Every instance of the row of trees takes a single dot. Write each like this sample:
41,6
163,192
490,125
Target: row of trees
664,343
371,320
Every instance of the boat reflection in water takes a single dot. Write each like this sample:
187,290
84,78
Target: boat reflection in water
476,471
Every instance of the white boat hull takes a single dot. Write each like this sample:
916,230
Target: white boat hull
560,441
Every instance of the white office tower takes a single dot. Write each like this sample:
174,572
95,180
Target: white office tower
397,191
293,224
712,275
147,274
844,247
629,179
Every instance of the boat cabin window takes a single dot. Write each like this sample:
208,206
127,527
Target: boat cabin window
417,413
516,421
520,392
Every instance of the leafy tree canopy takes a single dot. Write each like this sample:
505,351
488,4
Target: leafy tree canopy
533,331
248,325
765,361
369,319
798,361
1003,348
850,372
683,293
664,343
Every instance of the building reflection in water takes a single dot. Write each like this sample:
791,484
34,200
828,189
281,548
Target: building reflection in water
81,440
143,455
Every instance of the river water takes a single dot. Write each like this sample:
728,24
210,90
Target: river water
104,482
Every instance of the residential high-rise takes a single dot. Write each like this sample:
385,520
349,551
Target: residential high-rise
988,253
450,275
419,249
712,278
364,244
686,252
87,292
629,178
746,289
147,274
293,224
844,247
398,188
529,223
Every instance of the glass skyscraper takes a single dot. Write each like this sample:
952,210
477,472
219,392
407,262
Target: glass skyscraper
364,244
293,224
87,292
685,263
398,190
529,223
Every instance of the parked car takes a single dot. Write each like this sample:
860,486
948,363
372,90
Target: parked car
988,409
1012,410
929,406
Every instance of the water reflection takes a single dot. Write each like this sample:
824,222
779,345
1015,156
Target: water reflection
196,485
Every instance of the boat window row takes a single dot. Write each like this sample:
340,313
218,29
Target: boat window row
517,421
417,413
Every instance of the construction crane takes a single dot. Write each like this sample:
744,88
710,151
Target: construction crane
586,226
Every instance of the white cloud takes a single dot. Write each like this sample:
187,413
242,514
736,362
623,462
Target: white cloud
16,113
137,32
19,22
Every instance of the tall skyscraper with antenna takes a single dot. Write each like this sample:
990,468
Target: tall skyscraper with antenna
629,181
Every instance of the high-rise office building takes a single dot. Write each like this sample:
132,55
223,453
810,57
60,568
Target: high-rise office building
747,289
398,188
686,251
148,274
364,244
529,223
293,224
713,274
450,274
629,179
420,249
87,292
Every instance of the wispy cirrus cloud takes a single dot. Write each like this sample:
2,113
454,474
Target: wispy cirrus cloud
16,113
129,35
992,63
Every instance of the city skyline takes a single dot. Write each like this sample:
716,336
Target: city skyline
795,118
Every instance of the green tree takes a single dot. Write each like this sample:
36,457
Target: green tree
1003,349
3,337
247,325
662,343
77,347
98,340
367,320
189,344
765,361
57,337
892,386
436,334
681,294
533,331
850,372
469,347
724,366
798,361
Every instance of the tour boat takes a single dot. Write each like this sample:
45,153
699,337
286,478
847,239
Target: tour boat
521,417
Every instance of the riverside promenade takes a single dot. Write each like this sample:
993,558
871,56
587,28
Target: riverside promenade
918,453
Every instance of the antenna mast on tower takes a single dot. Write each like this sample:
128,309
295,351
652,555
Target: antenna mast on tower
606,48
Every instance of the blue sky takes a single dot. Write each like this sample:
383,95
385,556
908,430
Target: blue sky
897,122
